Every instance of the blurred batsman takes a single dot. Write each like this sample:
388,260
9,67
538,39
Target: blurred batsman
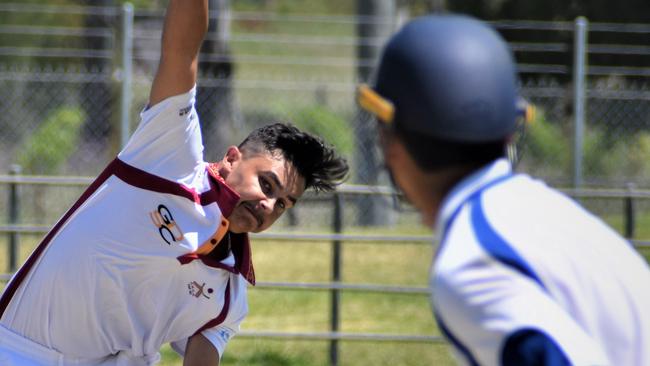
156,250
522,275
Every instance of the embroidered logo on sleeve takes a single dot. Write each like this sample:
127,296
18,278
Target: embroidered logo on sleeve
196,290
167,227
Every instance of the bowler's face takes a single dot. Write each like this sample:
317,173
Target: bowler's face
268,185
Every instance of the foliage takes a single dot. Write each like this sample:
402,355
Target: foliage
326,123
53,142
548,152
545,144
626,156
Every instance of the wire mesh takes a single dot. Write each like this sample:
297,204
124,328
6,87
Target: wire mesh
60,90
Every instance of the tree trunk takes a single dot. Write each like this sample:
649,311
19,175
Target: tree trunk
220,117
95,97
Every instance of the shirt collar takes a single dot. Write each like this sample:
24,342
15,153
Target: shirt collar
468,186
241,249
221,192
227,199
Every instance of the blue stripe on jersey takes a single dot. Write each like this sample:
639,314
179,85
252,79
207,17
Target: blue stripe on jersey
530,347
454,341
445,331
452,217
495,245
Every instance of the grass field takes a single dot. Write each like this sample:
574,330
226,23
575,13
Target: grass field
310,57
307,311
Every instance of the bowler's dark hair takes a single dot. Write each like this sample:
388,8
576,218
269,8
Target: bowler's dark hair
315,160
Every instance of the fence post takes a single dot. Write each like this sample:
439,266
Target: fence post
372,16
337,226
14,218
579,76
629,214
127,72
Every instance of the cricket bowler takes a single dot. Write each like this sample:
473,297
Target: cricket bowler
156,250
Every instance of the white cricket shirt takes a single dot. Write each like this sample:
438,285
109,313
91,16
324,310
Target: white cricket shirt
515,254
126,269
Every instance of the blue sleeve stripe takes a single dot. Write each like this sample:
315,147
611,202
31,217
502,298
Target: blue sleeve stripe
454,341
530,347
495,245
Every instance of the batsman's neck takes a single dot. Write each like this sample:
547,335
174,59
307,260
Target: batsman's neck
434,186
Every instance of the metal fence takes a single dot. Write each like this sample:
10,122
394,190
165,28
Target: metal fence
629,197
73,79
14,230
88,69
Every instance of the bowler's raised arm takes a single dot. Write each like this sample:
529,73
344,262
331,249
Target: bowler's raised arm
186,23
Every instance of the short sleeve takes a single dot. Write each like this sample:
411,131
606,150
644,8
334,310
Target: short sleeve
167,141
219,337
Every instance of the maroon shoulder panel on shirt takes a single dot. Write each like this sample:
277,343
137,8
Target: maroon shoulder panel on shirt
219,193
12,287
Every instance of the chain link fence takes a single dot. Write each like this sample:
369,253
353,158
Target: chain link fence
61,74
64,71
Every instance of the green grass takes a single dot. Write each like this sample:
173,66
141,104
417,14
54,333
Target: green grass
308,311
641,227
256,352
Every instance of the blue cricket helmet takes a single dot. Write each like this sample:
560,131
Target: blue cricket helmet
449,77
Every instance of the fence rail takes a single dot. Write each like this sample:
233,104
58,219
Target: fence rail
335,287
344,336
629,195
117,60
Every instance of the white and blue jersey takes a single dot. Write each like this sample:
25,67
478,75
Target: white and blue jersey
523,275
